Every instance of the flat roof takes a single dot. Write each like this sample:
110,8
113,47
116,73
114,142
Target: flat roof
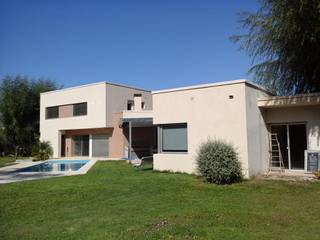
96,83
216,84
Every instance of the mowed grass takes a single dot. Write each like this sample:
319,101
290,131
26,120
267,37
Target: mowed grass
115,201
6,161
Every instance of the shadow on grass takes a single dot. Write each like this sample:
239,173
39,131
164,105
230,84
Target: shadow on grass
146,167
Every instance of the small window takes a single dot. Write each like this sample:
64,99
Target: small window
143,105
174,138
80,109
130,105
52,112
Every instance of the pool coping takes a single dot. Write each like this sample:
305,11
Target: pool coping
10,173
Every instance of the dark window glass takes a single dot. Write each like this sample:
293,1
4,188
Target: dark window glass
81,145
80,109
130,105
52,112
174,138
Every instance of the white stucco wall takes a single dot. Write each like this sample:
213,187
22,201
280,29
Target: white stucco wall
93,94
257,133
209,113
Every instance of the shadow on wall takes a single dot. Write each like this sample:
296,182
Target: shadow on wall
315,132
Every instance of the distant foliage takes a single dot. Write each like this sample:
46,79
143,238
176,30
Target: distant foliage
42,151
218,162
283,39
20,112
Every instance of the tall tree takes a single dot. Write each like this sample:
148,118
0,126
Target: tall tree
283,39
20,110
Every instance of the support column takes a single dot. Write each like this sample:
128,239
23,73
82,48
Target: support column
288,147
90,145
130,141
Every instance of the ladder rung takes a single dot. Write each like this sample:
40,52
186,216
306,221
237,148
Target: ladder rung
275,162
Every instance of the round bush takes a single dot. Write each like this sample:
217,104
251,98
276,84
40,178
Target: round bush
218,162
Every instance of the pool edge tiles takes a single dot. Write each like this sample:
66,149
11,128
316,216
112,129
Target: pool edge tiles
55,166
10,174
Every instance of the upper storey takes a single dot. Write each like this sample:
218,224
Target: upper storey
88,106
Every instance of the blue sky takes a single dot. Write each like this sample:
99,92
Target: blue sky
151,44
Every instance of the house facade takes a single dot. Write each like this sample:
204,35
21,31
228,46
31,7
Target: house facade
170,125
83,121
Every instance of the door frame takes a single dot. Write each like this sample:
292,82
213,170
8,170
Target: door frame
287,124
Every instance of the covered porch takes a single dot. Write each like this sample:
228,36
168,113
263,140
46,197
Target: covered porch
293,124
140,133
85,142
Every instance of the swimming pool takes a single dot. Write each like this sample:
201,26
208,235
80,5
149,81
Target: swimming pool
56,166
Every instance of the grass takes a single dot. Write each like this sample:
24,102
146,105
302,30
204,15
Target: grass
115,201
6,161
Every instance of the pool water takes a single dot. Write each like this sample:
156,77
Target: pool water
56,166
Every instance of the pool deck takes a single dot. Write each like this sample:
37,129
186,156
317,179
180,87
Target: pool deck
9,174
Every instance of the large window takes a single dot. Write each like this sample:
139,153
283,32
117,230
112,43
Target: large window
80,109
52,112
174,138
100,145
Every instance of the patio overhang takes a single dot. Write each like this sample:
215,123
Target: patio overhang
302,100
143,118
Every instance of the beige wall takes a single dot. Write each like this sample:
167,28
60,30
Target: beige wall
257,133
117,141
118,96
65,111
209,113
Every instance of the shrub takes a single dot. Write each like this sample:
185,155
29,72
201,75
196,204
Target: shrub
42,151
218,162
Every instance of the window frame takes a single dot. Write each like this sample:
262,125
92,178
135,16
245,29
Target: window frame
160,137
79,115
52,107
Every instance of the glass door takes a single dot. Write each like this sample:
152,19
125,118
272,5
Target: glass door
81,145
293,142
298,143
281,131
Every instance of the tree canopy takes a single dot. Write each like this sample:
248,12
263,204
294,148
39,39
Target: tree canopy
283,39
20,111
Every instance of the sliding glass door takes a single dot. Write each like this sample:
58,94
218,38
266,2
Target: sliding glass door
100,145
80,145
293,141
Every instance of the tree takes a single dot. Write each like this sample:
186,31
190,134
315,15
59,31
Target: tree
283,39
42,151
20,111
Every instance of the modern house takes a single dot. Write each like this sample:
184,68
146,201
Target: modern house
114,121
84,120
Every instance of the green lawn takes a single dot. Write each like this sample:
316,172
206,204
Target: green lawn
6,161
115,201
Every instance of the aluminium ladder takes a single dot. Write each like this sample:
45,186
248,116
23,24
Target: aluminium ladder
276,160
